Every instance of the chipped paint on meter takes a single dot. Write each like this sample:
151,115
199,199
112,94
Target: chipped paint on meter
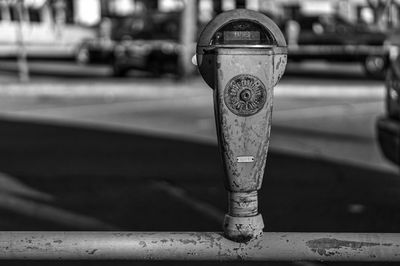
245,95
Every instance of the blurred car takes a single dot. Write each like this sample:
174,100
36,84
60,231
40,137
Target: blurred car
155,56
95,51
43,38
332,38
147,42
388,126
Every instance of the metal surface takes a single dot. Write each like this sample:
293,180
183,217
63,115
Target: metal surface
235,15
244,135
245,79
198,246
244,82
243,204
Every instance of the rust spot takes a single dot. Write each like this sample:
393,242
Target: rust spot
221,73
278,65
329,246
191,253
188,241
121,234
91,252
143,244
258,245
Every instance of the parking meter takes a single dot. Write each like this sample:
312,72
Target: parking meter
242,54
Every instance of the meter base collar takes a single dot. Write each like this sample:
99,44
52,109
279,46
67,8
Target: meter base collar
243,229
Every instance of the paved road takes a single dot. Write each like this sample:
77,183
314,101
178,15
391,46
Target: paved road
140,154
332,114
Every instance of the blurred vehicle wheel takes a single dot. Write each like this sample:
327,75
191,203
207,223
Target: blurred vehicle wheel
118,71
375,66
83,55
155,67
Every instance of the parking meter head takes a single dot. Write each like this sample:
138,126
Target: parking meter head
236,29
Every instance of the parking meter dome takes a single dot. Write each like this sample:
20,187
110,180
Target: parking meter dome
240,28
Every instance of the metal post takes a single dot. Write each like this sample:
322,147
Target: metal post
217,5
22,54
188,31
240,3
198,246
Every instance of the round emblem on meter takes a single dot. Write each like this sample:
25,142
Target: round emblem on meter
245,95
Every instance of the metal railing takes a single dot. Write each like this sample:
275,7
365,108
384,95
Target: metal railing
198,246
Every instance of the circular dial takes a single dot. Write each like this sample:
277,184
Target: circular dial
245,95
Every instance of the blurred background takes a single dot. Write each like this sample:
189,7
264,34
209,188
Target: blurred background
105,123
128,34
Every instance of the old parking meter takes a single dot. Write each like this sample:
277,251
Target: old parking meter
242,54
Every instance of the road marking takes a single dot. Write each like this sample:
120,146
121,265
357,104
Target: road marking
11,185
22,199
41,211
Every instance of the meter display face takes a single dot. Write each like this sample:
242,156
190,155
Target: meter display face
237,36
243,33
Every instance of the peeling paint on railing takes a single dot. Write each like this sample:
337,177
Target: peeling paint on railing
194,246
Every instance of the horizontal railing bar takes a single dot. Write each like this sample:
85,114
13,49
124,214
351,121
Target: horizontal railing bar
180,246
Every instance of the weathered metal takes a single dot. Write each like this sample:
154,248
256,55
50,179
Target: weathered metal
241,55
198,246
243,100
243,204
240,134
